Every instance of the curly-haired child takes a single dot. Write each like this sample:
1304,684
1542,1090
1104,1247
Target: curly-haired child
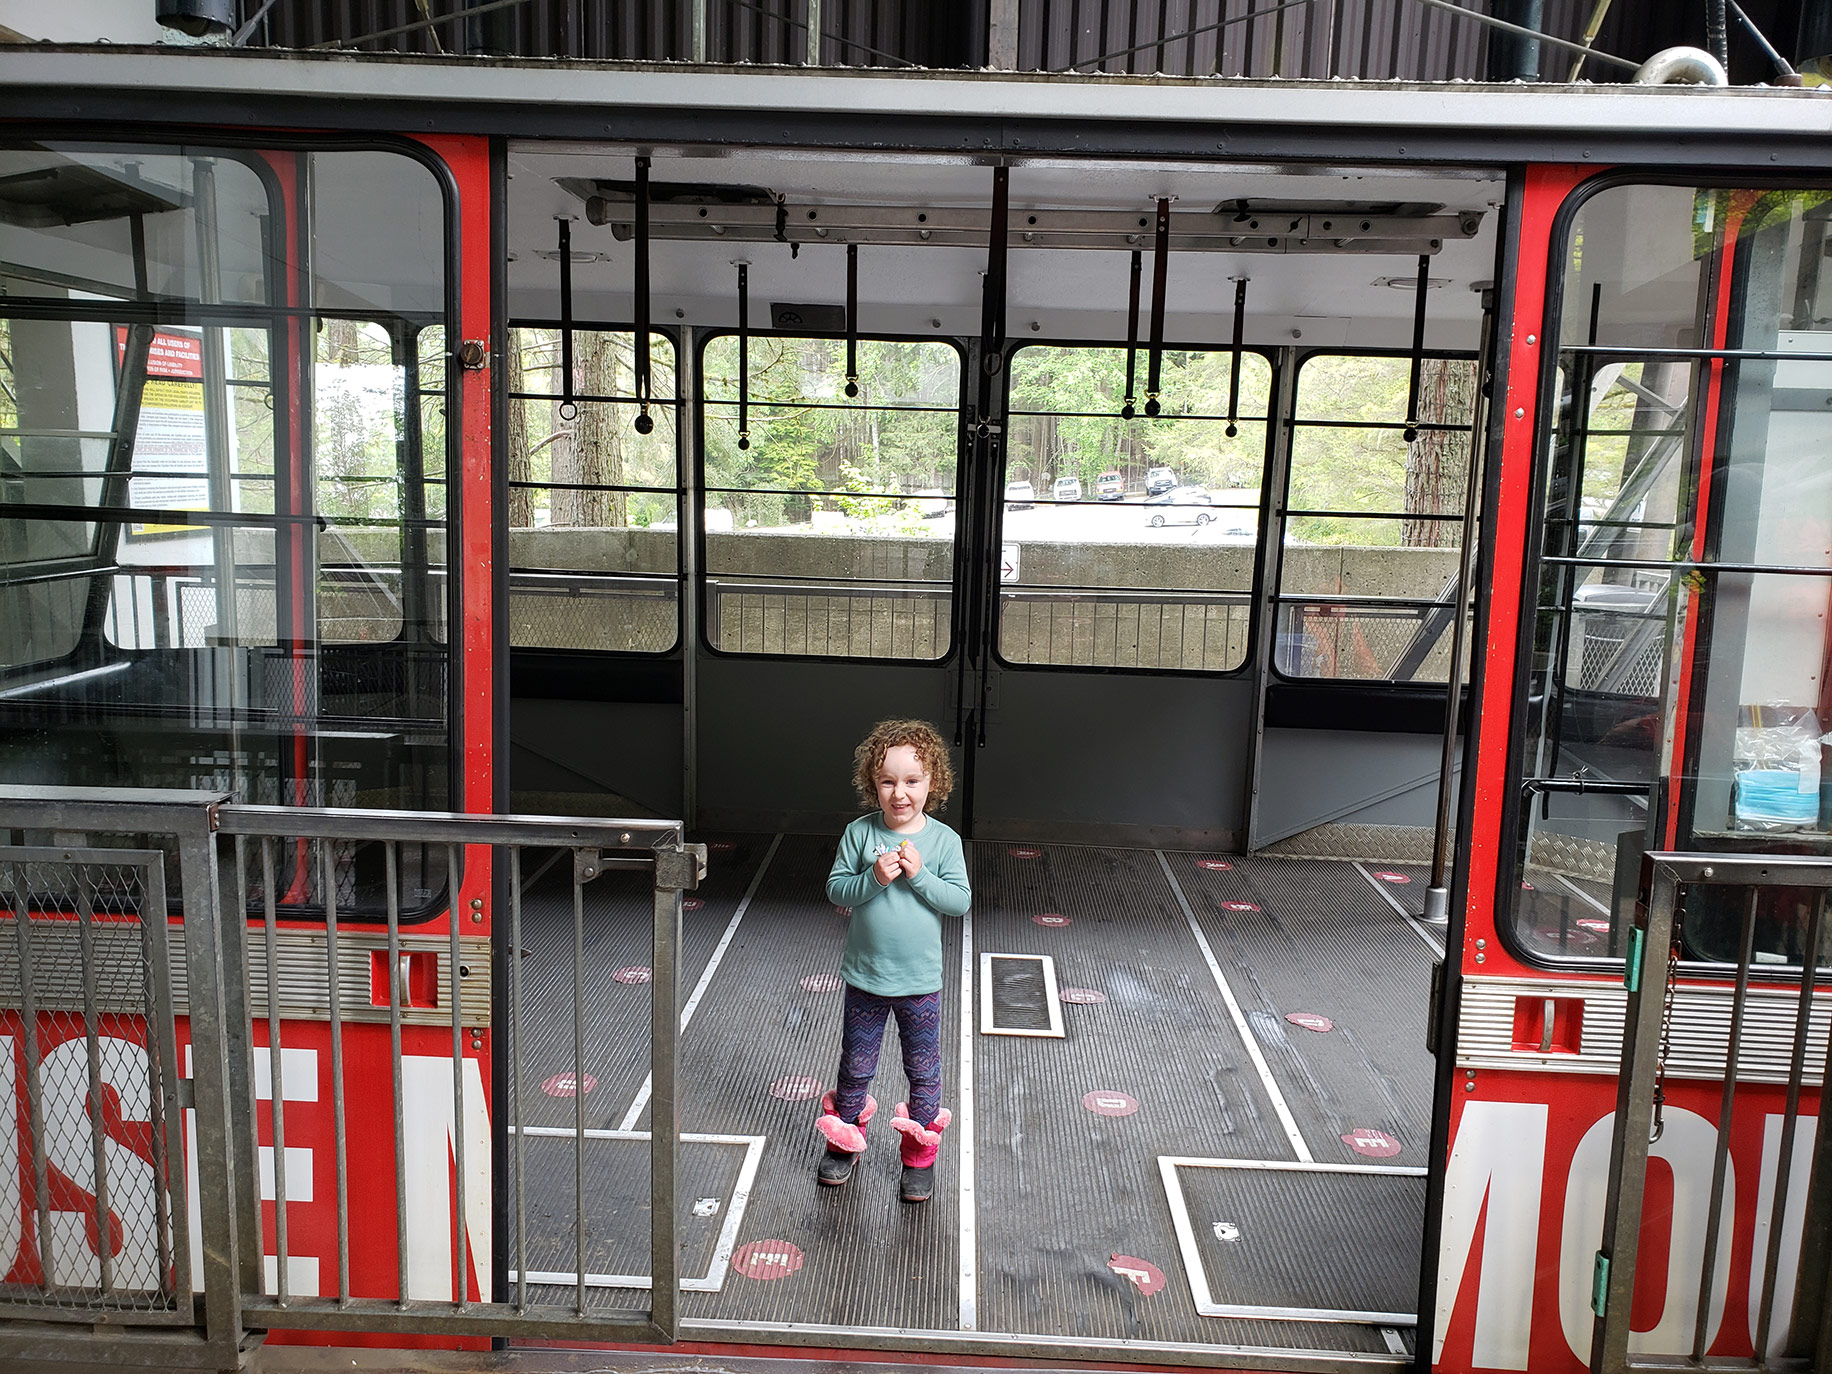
900,870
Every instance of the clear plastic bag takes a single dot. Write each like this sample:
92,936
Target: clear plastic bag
1777,769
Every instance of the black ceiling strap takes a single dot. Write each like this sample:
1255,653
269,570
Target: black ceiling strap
852,319
569,408
644,421
744,355
1160,272
1418,348
1240,330
1132,336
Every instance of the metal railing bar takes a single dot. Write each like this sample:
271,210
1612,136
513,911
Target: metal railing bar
1422,426
541,1321
788,583
1760,355
1143,596
439,827
461,1280
515,1073
92,1042
664,1099
328,877
1397,603
1686,565
1377,515
578,1083
251,519
34,1091
655,402
1746,946
788,408
391,875
1790,1121
1161,417
162,1064
276,1054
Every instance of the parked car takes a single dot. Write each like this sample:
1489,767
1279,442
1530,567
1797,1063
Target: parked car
1109,486
1159,480
1068,489
1020,496
1180,506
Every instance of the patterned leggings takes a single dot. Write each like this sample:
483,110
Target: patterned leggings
919,1033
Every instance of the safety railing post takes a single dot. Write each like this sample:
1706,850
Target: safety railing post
678,869
221,1092
1613,1284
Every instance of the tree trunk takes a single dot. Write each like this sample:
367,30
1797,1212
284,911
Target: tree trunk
521,464
1437,461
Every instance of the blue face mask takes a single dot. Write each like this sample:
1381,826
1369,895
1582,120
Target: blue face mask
1773,796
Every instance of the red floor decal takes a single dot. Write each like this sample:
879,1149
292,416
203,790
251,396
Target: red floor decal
1052,918
691,904
1214,865
1023,851
561,1085
767,1259
823,982
1145,1275
1602,928
722,846
1364,1140
843,910
1239,906
1082,996
1105,1103
796,1088
1395,878
636,973
1310,1021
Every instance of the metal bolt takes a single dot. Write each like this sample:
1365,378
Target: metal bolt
1520,412
1709,871
477,904
1482,944
1470,1086
1482,958
476,918
1532,338
624,838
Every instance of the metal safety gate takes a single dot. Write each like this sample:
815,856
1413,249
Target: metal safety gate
1789,1006
172,1050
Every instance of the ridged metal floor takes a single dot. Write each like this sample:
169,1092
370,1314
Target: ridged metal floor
1179,972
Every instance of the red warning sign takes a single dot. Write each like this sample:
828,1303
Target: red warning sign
767,1259
1310,1021
1145,1276
1527,887
1365,1140
563,1085
635,973
823,982
691,904
1599,925
1239,906
1022,851
1105,1102
796,1087
1214,865
1086,997
1397,879
1052,918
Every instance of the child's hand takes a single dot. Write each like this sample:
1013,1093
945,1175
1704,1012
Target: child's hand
887,867
909,859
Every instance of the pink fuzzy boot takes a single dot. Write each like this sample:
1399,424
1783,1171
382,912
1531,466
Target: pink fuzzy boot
844,1140
919,1146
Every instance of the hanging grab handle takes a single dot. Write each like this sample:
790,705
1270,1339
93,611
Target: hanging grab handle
744,355
569,408
645,423
1160,272
1411,431
1127,411
852,319
1240,330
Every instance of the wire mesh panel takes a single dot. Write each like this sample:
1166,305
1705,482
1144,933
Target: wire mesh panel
90,1156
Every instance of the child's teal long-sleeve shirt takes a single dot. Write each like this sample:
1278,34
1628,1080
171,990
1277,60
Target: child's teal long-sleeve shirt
893,945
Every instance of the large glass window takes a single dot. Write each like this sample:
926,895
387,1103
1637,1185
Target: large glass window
1374,519
222,525
593,519
830,518
1678,692
1129,543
